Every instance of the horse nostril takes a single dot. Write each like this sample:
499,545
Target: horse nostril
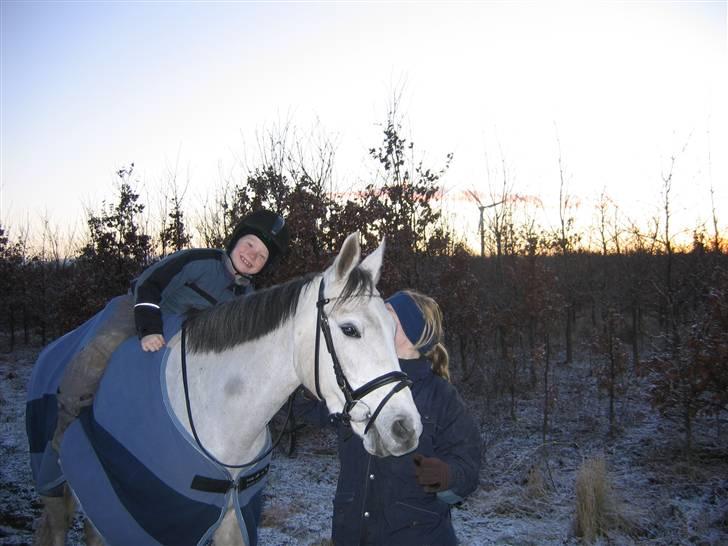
401,429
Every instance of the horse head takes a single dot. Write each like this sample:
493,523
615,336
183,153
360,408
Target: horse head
357,372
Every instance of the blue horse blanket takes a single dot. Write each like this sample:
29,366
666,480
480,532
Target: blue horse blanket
137,473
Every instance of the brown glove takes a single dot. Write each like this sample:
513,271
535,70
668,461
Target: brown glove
432,473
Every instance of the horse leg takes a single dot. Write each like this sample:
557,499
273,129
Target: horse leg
228,533
55,520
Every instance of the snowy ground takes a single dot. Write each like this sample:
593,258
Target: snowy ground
527,486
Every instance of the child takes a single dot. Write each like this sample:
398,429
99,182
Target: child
186,280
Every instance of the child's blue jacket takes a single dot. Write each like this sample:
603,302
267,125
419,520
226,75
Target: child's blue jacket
189,279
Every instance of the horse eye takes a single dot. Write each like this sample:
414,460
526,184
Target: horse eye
350,330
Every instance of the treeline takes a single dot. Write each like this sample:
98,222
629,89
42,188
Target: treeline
534,299
47,291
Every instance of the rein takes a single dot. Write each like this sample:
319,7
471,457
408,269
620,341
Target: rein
289,411
352,396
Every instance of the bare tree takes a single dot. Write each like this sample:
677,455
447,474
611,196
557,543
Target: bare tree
51,271
667,290
566,241
173,235
714,213
609,226
213,220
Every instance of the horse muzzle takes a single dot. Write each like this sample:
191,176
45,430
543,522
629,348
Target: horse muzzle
397,435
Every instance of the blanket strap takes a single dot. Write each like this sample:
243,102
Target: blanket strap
214,485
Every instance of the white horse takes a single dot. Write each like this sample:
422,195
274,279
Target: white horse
234,365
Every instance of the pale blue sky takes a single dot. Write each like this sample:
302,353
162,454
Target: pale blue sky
88,87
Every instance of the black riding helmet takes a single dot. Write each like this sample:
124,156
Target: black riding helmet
269,227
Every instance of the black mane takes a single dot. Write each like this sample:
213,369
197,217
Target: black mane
243,319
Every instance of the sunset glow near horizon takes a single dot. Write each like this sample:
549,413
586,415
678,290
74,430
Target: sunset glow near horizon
619,87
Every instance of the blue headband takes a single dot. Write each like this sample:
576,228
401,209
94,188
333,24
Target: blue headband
411,318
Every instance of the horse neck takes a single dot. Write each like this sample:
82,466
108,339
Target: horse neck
233,394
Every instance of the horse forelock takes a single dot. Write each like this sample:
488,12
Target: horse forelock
359,283
243,319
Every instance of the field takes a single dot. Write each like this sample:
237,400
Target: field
648,491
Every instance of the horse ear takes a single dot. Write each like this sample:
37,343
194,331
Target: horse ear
373,262
348,257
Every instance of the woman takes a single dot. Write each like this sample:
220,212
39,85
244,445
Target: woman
406,500
186,280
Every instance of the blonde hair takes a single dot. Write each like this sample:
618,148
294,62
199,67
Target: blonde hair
433,332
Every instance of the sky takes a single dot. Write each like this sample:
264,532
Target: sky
614,89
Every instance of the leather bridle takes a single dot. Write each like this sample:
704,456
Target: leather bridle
352,396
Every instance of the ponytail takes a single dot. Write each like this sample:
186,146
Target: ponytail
440,361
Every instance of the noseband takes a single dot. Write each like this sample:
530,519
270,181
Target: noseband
352,396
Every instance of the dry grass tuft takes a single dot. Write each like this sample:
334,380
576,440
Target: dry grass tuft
599,511
535,484
596,510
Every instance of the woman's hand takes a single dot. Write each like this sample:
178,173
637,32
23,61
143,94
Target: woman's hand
152,342
432,474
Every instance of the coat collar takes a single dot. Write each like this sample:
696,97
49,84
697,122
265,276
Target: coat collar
416,368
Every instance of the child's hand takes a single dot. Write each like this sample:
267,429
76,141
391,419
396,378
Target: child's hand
152,342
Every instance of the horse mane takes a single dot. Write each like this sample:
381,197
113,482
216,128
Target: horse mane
229,324
224,326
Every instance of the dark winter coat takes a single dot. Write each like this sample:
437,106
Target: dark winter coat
188,279
378,500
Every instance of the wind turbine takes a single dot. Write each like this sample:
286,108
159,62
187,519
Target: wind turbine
481,225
